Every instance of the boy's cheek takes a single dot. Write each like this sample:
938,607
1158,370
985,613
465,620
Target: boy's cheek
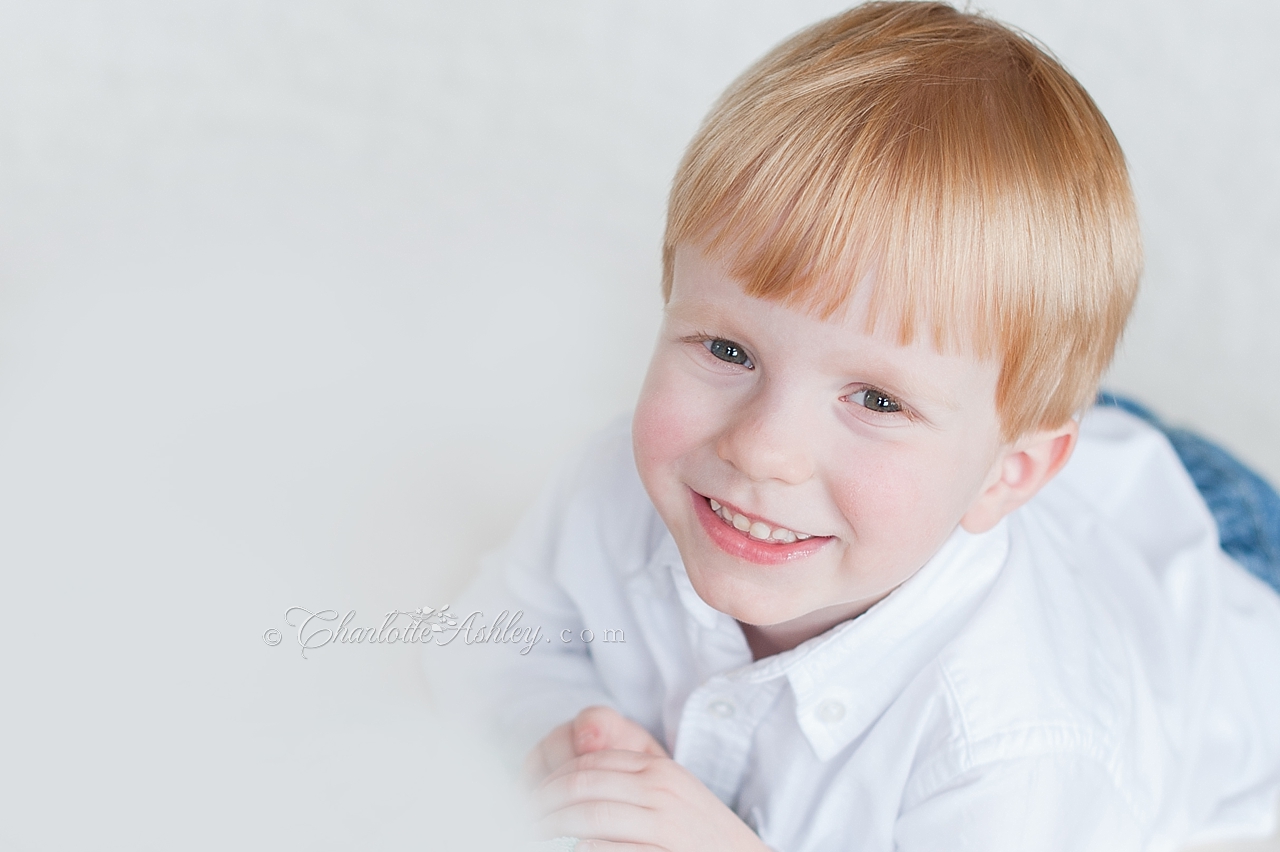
656,437
668,422
890,498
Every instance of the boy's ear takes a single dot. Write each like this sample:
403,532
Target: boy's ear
1019,472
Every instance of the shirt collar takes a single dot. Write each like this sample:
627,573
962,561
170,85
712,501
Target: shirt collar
846,678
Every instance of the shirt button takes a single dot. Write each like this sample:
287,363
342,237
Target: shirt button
723,709
831,711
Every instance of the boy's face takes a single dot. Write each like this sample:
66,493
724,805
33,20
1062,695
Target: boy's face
872,451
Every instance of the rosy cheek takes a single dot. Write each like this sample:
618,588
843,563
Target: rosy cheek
662,423
881,491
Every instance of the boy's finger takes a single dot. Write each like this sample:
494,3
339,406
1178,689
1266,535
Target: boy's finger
609,759
598,728
592,785
619,822
610,846
552,752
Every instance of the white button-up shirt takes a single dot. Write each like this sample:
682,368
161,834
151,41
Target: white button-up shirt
1093,673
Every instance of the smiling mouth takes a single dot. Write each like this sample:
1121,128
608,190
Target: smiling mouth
754,528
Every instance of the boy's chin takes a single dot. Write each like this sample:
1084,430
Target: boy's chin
744,603
768,610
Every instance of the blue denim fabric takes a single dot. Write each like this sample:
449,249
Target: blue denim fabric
1246,508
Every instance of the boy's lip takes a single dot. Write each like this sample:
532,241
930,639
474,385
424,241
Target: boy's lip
736,543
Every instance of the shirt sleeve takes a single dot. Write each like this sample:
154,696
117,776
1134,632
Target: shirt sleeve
505,670
1050,803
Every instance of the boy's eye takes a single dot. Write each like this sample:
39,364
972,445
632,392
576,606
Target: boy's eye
727,350
874,400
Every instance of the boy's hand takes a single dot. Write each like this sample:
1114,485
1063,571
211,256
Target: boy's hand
627,801
594,729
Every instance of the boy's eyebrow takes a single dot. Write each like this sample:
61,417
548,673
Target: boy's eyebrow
891,379
700,310
888,376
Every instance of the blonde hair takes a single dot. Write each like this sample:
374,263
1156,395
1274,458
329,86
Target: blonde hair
949,161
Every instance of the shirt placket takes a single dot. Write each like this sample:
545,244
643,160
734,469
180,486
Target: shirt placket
717,728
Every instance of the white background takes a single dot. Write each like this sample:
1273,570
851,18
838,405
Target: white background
301,301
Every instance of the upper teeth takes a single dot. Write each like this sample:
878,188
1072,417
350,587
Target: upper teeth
757,529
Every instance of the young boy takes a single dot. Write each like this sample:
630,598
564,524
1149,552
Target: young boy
823,594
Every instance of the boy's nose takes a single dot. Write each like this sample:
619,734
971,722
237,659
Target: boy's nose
764,441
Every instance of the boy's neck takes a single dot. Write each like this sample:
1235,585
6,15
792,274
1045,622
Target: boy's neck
769,639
